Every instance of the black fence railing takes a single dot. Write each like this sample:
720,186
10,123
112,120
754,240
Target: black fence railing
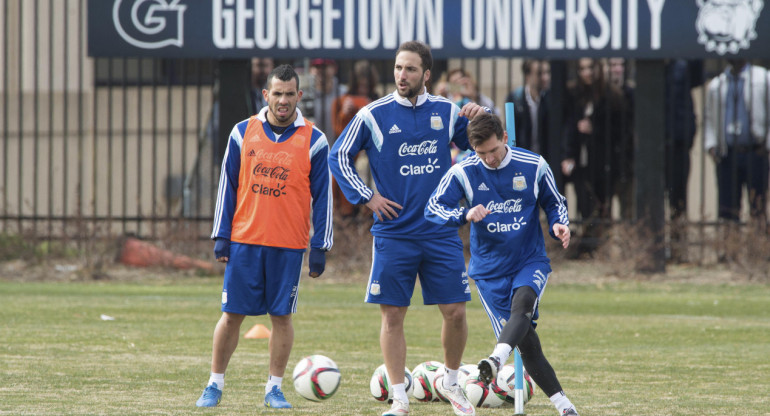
127,146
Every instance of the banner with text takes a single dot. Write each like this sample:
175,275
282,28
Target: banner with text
343,29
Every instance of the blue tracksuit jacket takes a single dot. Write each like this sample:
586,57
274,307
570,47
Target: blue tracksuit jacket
408,147
511,236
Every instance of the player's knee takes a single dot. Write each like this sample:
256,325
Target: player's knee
523,301
454,313
231,318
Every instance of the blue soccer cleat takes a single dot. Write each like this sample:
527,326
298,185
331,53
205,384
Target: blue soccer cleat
275,400
210,397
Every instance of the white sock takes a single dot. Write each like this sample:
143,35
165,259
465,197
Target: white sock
561,402
450,377
399,392
273,381
218,378
502,352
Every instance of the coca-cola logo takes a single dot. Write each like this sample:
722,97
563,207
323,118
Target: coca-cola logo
428,147
279,158
505,207
273,172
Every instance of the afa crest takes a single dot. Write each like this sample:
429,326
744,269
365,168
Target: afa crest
519,183
436,123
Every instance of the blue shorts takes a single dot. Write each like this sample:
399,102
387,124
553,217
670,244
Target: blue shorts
496,295
261,280
396,263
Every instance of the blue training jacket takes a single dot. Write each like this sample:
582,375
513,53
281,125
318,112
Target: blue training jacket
408,147
511,236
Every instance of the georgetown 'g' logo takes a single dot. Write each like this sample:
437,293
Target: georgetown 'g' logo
149,24
727,25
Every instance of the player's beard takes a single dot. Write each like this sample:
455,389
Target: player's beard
412,92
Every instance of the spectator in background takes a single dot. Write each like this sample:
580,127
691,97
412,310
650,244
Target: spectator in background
592,131
362,89
737,137
681,77
326,89
260,69
624,186
530,112
545,75
463,90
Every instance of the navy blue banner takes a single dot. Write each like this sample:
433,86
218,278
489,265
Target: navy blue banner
454,28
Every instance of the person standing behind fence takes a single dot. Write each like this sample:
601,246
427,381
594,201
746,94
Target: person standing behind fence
624,186
362,89
591,142
274,170
327,88
530,111
737,137
260,69
681,77
508,259
406,136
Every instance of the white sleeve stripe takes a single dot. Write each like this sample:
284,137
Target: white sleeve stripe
319,144
562,209
221,191
438,209
329,232
344,161
453,120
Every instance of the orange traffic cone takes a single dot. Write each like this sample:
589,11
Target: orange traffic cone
258,331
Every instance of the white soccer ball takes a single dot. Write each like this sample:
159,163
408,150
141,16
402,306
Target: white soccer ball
465,371
316,377
379,385
506,381
479,394
422,378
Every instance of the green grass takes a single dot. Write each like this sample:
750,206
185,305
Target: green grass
618,348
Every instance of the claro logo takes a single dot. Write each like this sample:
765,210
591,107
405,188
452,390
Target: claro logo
150,24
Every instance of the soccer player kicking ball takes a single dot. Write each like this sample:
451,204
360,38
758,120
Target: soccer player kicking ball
504,186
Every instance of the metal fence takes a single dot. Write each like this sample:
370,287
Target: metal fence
121,146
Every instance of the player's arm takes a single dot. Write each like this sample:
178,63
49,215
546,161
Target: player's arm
354,137
227,191
459,122
321,192
553,203
442,207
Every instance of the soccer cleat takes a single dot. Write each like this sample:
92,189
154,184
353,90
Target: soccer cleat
488,369
570,412
399,408
456,396
210,397
274,399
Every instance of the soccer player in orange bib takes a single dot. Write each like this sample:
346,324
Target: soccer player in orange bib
274,172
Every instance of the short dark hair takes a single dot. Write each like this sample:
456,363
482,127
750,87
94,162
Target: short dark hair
420,49
526,66
483,127
284,73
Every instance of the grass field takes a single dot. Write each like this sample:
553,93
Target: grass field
619,348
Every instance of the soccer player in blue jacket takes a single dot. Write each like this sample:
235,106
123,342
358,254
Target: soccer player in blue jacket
506,187
407,136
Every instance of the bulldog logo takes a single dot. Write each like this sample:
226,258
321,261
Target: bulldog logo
727,25
149,24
